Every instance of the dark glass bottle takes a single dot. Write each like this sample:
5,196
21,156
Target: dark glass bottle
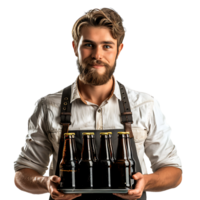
95,162
104,161
86,163
131,161
76,157
112,157
121,165
74,147
68,165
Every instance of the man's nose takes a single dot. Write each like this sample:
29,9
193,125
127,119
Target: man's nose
97,53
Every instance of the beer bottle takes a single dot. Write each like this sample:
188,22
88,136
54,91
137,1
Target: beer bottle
112,157
104,161
131,161
121,165
86,163
76,157
74,147
95,162
68,165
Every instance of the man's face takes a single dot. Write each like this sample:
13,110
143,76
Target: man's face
97,54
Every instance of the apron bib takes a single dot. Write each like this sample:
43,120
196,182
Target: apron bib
126,120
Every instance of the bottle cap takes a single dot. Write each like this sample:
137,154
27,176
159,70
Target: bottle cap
109,133
86,133
69,133
104,133
123,133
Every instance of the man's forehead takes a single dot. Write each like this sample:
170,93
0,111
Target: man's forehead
96,34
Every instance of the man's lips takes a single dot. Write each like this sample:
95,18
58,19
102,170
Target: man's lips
97,66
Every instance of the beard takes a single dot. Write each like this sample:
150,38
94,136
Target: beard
90,76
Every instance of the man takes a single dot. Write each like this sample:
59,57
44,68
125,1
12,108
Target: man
95,97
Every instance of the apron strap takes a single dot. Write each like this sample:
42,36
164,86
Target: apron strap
65,117
126,114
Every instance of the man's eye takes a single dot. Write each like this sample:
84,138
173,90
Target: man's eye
107,46
87,44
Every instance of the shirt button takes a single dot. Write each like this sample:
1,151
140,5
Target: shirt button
99,110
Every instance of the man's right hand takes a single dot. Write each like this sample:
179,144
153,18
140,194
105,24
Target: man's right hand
52,184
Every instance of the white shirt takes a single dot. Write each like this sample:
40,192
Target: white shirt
151,133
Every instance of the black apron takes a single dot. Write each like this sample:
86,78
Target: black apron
126,120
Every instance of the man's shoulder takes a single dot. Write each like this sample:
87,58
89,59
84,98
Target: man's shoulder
52,99
138,98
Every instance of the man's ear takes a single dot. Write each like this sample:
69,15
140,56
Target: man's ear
120,48
73,47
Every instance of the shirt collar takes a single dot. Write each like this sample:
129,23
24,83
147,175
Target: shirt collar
75,94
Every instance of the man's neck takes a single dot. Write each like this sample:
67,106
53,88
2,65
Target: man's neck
95,94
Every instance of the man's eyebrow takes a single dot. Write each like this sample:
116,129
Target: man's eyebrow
103,42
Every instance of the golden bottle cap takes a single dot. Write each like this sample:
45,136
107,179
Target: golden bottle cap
121,133
109,133
69,133
86,133
104,133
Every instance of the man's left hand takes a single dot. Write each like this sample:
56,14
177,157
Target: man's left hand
139,188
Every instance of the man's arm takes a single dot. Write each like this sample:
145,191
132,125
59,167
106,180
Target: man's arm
162,153
163,179
31,181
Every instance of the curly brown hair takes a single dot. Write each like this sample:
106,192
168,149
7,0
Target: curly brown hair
100,17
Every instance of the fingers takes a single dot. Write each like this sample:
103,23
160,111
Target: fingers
68,197
127,196
136,176
56,194
123,196
55,179
76,195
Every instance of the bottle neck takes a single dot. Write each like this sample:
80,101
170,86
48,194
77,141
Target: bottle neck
86,153
67,150
74,147
104,151
111,148
128,147
121,150
93,147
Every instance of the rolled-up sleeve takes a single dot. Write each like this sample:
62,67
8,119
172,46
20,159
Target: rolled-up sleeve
36,152
158,146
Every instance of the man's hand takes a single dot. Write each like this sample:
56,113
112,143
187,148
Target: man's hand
52,183
139,188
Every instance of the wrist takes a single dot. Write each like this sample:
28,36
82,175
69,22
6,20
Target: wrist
150,181
42,182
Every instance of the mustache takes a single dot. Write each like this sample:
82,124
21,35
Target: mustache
95,62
